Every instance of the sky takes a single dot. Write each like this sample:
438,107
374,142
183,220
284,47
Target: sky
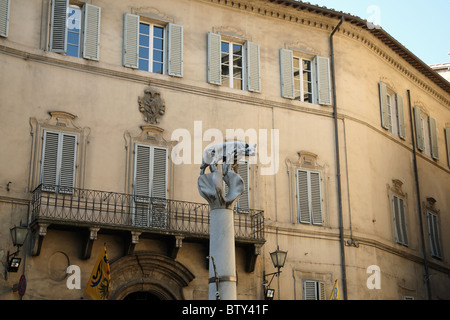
422,26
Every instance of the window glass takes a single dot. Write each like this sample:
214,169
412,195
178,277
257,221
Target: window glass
151,48
73,31
232,64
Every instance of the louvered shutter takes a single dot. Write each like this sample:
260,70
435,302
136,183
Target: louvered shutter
316,198
58,28
419,129
243,203
303,197
214,58
175,48
5,6
159,179
142,174
433,233
433,138
447,139
313,290
384,105
323,80
49,169
68,156
287,73
130,40
400,116
91,32
253,67
399,220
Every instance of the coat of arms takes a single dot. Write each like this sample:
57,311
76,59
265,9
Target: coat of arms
152,106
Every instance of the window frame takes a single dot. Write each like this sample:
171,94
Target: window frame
57,187
434,234
231,65
399,220
301,80
311,215
151,47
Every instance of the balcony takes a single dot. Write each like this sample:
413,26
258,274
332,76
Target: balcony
92,211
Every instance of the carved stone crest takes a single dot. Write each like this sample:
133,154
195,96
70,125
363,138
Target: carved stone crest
152,106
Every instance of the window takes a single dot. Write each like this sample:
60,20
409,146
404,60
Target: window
313,290
392,113
302,80
58,162
152,47
426,133
231,65
75,30
309,197
305,79
150,186
434,235
398,208
234,65
243,204
4,17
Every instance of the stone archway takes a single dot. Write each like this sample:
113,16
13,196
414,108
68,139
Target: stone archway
159,275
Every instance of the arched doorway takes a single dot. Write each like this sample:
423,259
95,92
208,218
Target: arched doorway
148,276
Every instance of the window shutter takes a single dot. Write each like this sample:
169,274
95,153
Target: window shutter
253,67
447,139
302,197
419,129
142,174
49,169
309,290
323,80
400,116
316,199
287,73
130,40
214,58
5,6
398,205
433,231
68,156
321,288
243,203
175,47
433,138
58,28
91,36
159,181
384,106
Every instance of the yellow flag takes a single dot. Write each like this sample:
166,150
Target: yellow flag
335,291
99,283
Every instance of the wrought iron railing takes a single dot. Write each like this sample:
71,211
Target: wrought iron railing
125,211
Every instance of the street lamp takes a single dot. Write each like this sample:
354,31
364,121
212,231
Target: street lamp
18,236
278,259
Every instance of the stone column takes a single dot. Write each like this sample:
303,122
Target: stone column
222,264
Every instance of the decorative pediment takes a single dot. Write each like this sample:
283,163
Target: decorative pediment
62,119
152,14
231,33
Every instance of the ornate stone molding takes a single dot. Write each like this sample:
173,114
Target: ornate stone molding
152,106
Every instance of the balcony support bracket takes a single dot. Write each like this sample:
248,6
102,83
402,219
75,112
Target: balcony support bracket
88,240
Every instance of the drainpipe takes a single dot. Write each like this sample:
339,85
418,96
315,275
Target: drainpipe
416,176
338,166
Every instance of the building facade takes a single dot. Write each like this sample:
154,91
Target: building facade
107,107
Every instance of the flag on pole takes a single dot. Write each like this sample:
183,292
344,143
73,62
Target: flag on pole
335,292
99,283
